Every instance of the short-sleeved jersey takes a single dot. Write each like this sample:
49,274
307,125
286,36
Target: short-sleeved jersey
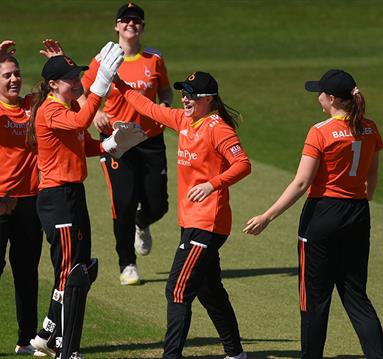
18,175
63,141
209,150
344,158
145,72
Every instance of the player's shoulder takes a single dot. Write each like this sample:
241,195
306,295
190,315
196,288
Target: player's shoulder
150,51
323,124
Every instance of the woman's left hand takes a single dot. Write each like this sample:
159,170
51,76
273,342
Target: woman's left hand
52,48
199,192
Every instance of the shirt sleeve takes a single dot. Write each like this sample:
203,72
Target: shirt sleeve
90,75
167,116
226,142
92,146
314,144
59,117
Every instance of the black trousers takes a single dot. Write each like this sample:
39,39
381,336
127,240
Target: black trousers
334,241
23,231
195,272
64,216
138,177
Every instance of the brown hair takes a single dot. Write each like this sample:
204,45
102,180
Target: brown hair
39,97
355,108
10,59
227,113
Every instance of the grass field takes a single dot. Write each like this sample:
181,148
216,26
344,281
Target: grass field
261,52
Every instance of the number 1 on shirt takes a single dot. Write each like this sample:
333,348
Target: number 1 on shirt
356,147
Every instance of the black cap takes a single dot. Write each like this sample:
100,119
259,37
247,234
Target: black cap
198,83
130,9
61,67
334,82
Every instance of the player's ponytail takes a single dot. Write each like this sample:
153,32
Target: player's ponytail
355,109
227,113
38,98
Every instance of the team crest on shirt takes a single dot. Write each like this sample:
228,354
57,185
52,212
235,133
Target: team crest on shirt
147,72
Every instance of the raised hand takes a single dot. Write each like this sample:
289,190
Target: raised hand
52,48
111,59
5,49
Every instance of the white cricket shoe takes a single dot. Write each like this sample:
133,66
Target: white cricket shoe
28,350
76,355
243,355
41,345
143,241
129,275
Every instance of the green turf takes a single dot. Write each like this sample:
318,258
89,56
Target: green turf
261,52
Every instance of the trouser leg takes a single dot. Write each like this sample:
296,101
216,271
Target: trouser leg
351,285
24,254
64,216
120,176
188,274
215,299
152,174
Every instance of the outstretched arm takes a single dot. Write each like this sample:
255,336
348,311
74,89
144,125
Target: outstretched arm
306,172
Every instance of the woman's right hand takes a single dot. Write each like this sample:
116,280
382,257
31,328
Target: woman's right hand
256,224
52,48
101,122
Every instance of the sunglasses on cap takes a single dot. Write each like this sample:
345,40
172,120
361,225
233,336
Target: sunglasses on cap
195,96
127,19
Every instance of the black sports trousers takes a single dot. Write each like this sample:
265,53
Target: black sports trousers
196,272
64,216
138,177
23,230
333,246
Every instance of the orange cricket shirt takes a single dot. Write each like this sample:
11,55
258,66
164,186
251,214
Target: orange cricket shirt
63,141
18,173
209,150
145,72
344,158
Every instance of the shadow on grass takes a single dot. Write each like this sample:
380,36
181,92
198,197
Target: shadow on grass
192,342
241,273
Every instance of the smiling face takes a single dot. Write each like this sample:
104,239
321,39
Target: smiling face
129,28
67,90
10,82
196,108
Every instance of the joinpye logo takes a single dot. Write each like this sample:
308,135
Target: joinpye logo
185,157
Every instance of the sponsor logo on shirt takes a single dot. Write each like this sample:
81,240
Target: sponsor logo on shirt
185,157
140,84
235,150
347,133
18,129
184,132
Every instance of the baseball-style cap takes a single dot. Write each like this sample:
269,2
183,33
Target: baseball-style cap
198,83
61,67
334,82
130,9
